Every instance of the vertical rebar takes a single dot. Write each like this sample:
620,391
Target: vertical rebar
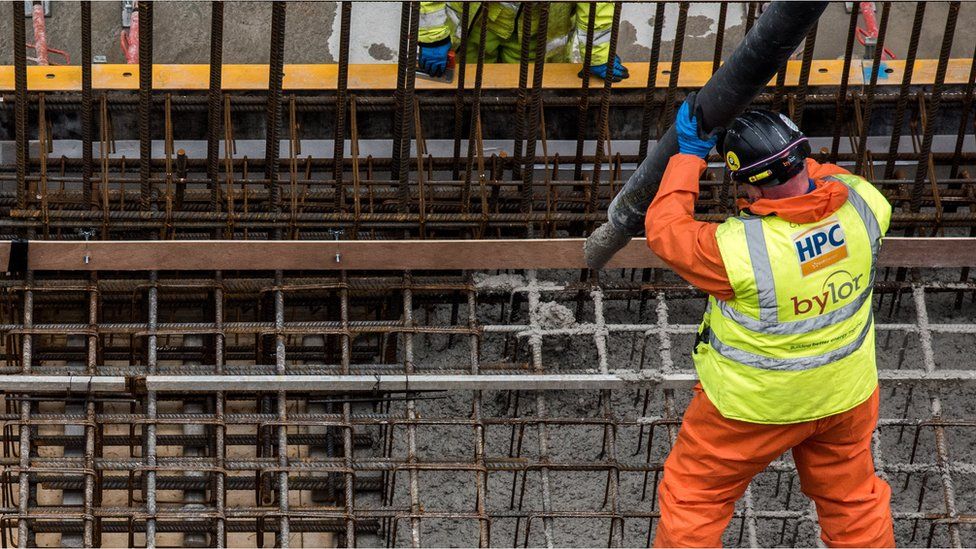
403,176
86,103
861,151
474,131
904,89
525,57
462,61
751,16
20,100
720,36
967,107
584,100
652,64
933,106
215,102
535,112
841,103
147,196
603,136
780,88
273,108
804,82
398,100
342,84
664,122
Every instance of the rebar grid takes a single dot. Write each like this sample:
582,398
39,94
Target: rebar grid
475,408
486,466
255,192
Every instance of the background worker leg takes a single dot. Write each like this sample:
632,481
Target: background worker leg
492,43
710,467
837,471
510,49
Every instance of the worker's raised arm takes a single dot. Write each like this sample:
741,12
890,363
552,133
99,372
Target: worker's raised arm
688,246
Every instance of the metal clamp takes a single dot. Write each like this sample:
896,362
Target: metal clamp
337,234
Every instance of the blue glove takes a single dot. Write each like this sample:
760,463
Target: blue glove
617,71
433,57
687,128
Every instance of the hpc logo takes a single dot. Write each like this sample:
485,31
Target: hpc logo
820,246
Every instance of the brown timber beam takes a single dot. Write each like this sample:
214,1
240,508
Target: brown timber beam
396,255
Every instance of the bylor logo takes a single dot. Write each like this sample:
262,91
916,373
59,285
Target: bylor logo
839,286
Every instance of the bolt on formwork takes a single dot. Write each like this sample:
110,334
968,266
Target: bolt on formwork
433,407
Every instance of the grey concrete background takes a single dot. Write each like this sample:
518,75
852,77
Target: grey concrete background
182,31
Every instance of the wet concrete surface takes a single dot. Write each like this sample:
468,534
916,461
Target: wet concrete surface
583,491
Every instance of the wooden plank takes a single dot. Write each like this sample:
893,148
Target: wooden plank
382,76
312,255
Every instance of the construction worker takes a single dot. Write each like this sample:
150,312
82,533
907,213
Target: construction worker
786,351
440,32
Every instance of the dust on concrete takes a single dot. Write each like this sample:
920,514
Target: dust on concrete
499,282
554,315
380,52
627,46
699,26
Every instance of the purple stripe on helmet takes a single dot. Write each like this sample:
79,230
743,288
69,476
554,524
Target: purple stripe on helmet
784,152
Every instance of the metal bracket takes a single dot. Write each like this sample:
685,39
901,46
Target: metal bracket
337,234
87,234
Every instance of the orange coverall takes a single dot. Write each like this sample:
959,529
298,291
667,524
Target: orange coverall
714,458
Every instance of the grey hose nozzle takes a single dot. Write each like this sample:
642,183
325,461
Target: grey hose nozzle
601,246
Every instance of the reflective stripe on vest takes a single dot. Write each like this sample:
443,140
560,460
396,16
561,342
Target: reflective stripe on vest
790,364
763,272
434,18
762,269
600,36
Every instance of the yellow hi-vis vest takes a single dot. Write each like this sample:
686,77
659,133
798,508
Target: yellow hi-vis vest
796,343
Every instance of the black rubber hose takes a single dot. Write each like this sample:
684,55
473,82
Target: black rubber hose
776,35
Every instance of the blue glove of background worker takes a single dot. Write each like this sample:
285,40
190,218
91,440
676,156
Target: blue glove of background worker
686,126
617,71
433,57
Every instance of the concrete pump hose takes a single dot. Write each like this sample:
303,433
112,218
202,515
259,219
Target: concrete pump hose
775,36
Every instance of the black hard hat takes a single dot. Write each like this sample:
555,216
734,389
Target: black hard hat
764,148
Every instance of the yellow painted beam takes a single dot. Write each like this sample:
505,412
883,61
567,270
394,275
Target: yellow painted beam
310,77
